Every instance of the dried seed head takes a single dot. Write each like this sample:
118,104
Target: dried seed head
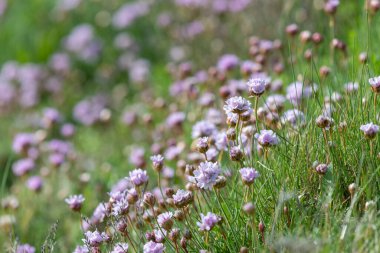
236,154
149,199
243,250
352,188
261,227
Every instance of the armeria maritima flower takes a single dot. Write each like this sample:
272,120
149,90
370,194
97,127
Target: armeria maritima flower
248,175
75,202
138,177
370,130
208,221
206,175
237,105
267,138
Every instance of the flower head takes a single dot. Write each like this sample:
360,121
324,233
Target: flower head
248,175
375,84
237,105
267,138
120,248
182,198
95,238
152,247
370,130
294,118
75,202
158,162
208,221
256,86
206,175
138,177
165,220
25,248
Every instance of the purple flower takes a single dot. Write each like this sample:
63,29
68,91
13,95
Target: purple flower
248,175
208,221
127,13
256,86
203,129
275,102
75,202
81,249
25,248
206,175
297,91
294,118
228,62
34,183
120,248
175,119
321,168
152,247
370,130
158,162
120,207
237,105
95,238
137,157
375,84
351,87
23,166
267,138
182,198
67,130
50,116
22,142
99,214
165,220
138,177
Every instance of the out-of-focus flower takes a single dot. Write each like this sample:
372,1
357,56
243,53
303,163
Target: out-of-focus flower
75,202
23,166
81,249
227,62
370,130
127,13
375,84
208,221
294,118
120,248
34,183
203,129
25,248
152,247
298,91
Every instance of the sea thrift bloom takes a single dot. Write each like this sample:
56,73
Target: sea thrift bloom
298,91
175,119
248,175
25,248
22,142
152,247
165,220
331,6
67,130
182,198
120,248
321,168
138,177
206,174
256,87
267,138
324,122
75,202
351,87
81,249
94,239
202,145
375,84
237,105
34,183
275,102
208,221
23,166
120,207
203,129
158,162
370,130
294,118
228,62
